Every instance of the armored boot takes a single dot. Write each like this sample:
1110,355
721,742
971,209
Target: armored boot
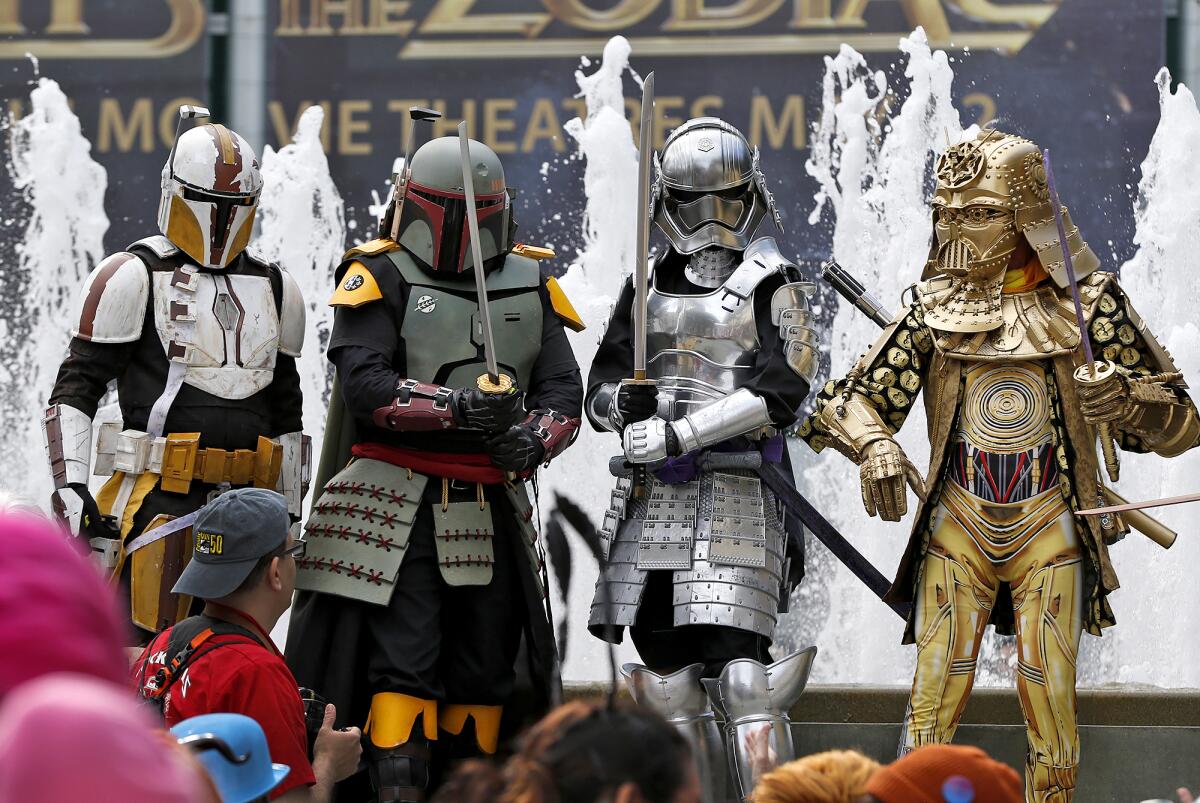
751,697
679,698
398,755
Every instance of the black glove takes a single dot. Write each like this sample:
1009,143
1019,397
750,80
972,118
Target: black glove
636,402
491,412
92,524
516,449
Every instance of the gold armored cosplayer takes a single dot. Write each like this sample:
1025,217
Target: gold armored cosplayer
993,340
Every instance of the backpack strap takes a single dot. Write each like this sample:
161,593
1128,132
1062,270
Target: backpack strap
185,643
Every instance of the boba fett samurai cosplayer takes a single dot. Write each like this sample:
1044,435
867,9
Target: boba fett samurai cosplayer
696,554
993,339
201,336
424,568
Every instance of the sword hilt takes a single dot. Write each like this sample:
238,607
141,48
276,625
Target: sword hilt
502,384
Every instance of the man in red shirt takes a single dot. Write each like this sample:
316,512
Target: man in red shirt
223,661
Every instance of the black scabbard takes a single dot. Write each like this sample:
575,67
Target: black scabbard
827,534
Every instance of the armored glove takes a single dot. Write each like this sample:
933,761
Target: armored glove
516,449
635,402
491,412
650,441
883,472
1103,398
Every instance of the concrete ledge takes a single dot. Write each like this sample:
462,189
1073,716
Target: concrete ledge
1135,706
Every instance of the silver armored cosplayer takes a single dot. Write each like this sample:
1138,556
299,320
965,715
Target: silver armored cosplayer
715,527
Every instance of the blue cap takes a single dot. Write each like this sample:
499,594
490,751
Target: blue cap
233,750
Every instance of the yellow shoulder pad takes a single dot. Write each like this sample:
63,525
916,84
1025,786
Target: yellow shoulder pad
380,245
357,287
562,306
533,251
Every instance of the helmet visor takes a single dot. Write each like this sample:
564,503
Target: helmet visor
446,215
224,207
695,209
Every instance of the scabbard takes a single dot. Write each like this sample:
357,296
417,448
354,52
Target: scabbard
828,535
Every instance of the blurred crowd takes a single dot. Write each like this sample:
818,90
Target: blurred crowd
76,724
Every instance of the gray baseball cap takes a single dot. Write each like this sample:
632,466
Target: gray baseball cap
229,536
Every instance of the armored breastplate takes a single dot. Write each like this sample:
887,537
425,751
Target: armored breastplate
443,339
1005,445
225,327
701,348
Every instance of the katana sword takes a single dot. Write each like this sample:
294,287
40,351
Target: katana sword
493,381
641,269
1107,445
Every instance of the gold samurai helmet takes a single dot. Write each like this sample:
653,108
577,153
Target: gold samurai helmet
991,192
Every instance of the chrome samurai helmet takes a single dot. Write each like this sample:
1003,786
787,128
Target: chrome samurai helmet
433,222
709,190
992,193
210,189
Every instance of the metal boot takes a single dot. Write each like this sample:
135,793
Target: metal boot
679,698
749,696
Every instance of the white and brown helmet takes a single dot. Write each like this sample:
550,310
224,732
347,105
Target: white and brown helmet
210,189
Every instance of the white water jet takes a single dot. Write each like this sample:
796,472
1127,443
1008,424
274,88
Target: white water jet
1158,604
873,168
304,231
51,165
592,282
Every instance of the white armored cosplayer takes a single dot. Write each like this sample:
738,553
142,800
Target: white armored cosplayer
202,338
730,353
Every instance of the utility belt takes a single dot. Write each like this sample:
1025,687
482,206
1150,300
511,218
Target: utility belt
178,459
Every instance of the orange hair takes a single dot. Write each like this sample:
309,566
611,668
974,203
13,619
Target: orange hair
838,776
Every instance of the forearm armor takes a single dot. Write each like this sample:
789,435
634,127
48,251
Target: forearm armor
852,424
1155,413
554,430
740,413
418,407
601,408
67,434
295,469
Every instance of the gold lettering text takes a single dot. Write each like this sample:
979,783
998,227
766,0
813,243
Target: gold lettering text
986,105
1033,15
349,125
578,14
66,16
350,12
115,128
663,121
543,124
764,123
289,18
10,18
698,15
494,125
385,17
401,106
447,124
453,16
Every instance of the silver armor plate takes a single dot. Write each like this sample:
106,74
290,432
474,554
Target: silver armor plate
703,347
734,579
669,527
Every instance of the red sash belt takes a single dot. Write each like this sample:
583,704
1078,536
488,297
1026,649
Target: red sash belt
465,467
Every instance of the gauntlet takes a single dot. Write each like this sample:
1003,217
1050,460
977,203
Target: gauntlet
1145,406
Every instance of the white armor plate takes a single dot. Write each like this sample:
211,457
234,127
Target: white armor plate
225,328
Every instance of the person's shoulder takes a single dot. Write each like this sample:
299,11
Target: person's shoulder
366,274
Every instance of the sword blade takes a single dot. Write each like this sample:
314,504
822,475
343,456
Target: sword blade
642,255
485,317
1068,263
1170,500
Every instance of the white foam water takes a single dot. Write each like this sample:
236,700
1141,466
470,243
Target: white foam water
304,230
1158,604
873,168
592,281
63,189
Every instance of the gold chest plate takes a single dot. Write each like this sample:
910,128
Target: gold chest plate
1006,408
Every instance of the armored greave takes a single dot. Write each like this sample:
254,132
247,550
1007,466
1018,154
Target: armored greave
679,698
398,752
754,701
974,547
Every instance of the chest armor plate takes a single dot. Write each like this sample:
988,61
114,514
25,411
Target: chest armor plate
224,327
443,340
701,348
1005,447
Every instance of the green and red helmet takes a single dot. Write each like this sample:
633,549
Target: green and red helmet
433,224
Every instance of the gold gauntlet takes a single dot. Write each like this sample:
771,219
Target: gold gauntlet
852,424
1144,406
